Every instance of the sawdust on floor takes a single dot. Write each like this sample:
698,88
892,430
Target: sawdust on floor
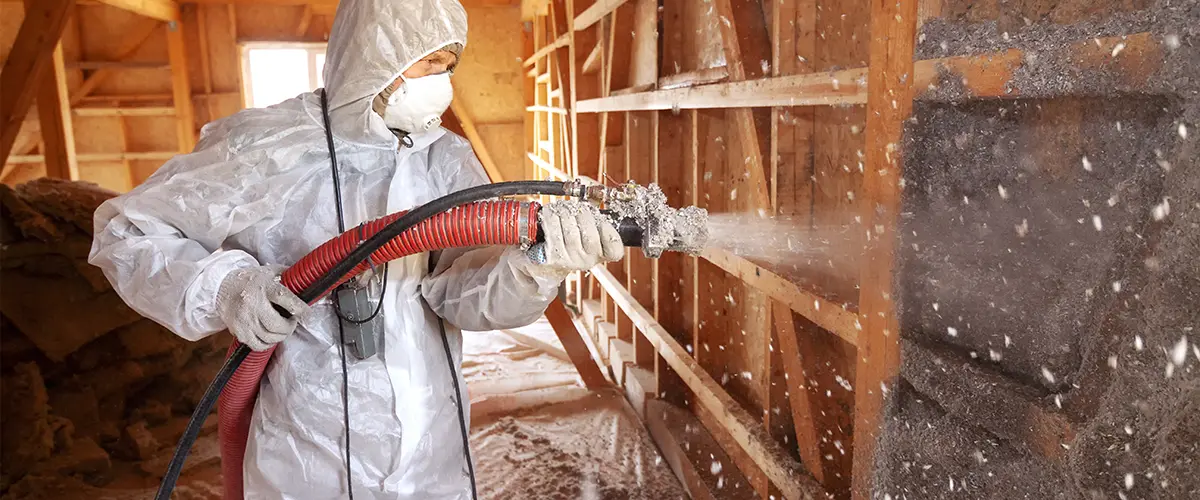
582,445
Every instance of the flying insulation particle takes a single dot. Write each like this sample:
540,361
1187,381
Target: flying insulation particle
1087,164
733,194
1022,229
1128,430
1138,345
1117,50
1179,352
1128,481
1116,286
1003,192
1112,361
952,331
1161,210
1048,375
1097,223
1182,131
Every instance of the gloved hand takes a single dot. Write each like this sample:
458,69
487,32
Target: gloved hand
244,303
578,238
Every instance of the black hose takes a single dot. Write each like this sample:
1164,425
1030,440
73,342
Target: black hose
326,281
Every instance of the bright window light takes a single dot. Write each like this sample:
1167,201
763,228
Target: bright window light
276,72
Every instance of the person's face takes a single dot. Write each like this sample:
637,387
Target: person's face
437,62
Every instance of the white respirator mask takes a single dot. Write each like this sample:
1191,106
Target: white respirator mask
418,104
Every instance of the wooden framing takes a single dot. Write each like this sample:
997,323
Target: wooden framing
31,55
163,10
765,453
54,112
894,23
481,151
181,88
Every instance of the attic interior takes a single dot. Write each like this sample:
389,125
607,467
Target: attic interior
953,244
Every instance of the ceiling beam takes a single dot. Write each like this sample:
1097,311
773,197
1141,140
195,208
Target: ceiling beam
54,113
163,10
181,88
31,55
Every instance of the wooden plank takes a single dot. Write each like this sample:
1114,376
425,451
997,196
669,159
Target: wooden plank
99,157
31,55
546,109
781,469
118,111
91,65
181,88
163,10
54,113
643,68
547,167
591,64
803,416
893,29
581,357
832,88
130,43
547,348
561,41
598,10
664,422
481,150
694,78
841,320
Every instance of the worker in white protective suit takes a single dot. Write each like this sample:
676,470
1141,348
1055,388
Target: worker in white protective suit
198,248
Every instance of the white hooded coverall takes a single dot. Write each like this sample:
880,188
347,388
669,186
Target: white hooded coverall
258,190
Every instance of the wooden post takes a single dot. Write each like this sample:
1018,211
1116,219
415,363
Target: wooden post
54,111
181,88
31,54
889,103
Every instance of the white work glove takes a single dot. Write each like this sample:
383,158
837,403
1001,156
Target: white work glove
244,303
578,238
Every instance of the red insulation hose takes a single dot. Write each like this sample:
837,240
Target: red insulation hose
480,223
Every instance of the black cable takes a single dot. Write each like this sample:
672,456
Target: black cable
326,281
341,219
192,431
458,400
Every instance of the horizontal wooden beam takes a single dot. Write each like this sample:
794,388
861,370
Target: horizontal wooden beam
163,10
839,319
839,87
142,111
546,109
593,14
118,65
561,41
786,473
99,157
981,76
547,167
116,98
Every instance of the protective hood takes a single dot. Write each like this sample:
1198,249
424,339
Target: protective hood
372,42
